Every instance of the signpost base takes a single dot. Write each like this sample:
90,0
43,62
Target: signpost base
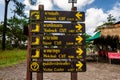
74,76
39,76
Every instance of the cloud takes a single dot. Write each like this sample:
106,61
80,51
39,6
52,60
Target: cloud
26,2
96,17
115,11
63,4
47,5
1,1
83,3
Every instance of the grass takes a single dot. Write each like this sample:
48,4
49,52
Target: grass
12,57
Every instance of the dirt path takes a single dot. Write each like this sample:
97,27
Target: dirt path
95,71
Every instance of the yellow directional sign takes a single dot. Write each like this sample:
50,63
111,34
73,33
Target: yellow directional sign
58,66
34,66
37,28
78,27
78,15
57,15
57,40
36,41
37,54
57,28
79,39
79,65
58,53
79,51
34,14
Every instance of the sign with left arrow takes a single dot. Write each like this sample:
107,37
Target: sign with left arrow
57,15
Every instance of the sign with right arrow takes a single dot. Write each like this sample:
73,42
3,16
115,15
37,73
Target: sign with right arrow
58,53
57,28
57,40
58,66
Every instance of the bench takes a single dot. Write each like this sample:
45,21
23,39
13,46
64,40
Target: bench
113,55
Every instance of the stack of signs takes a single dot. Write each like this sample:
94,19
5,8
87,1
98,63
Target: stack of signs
57,38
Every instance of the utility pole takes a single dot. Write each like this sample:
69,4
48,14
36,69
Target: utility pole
5,24
72,1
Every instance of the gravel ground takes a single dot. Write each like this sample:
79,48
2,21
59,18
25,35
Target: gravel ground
95,71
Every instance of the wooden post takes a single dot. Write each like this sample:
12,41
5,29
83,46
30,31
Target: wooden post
74,74
40,74
29,74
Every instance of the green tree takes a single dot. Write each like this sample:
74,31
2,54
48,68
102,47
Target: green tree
19,10
1,28
15,30
110,21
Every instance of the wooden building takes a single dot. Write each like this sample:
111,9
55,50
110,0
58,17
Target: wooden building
109,40
113,31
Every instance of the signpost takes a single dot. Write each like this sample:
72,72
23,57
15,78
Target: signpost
44,44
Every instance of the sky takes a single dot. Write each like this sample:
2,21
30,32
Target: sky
96,11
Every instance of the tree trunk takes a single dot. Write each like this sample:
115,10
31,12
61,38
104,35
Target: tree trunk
5,24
